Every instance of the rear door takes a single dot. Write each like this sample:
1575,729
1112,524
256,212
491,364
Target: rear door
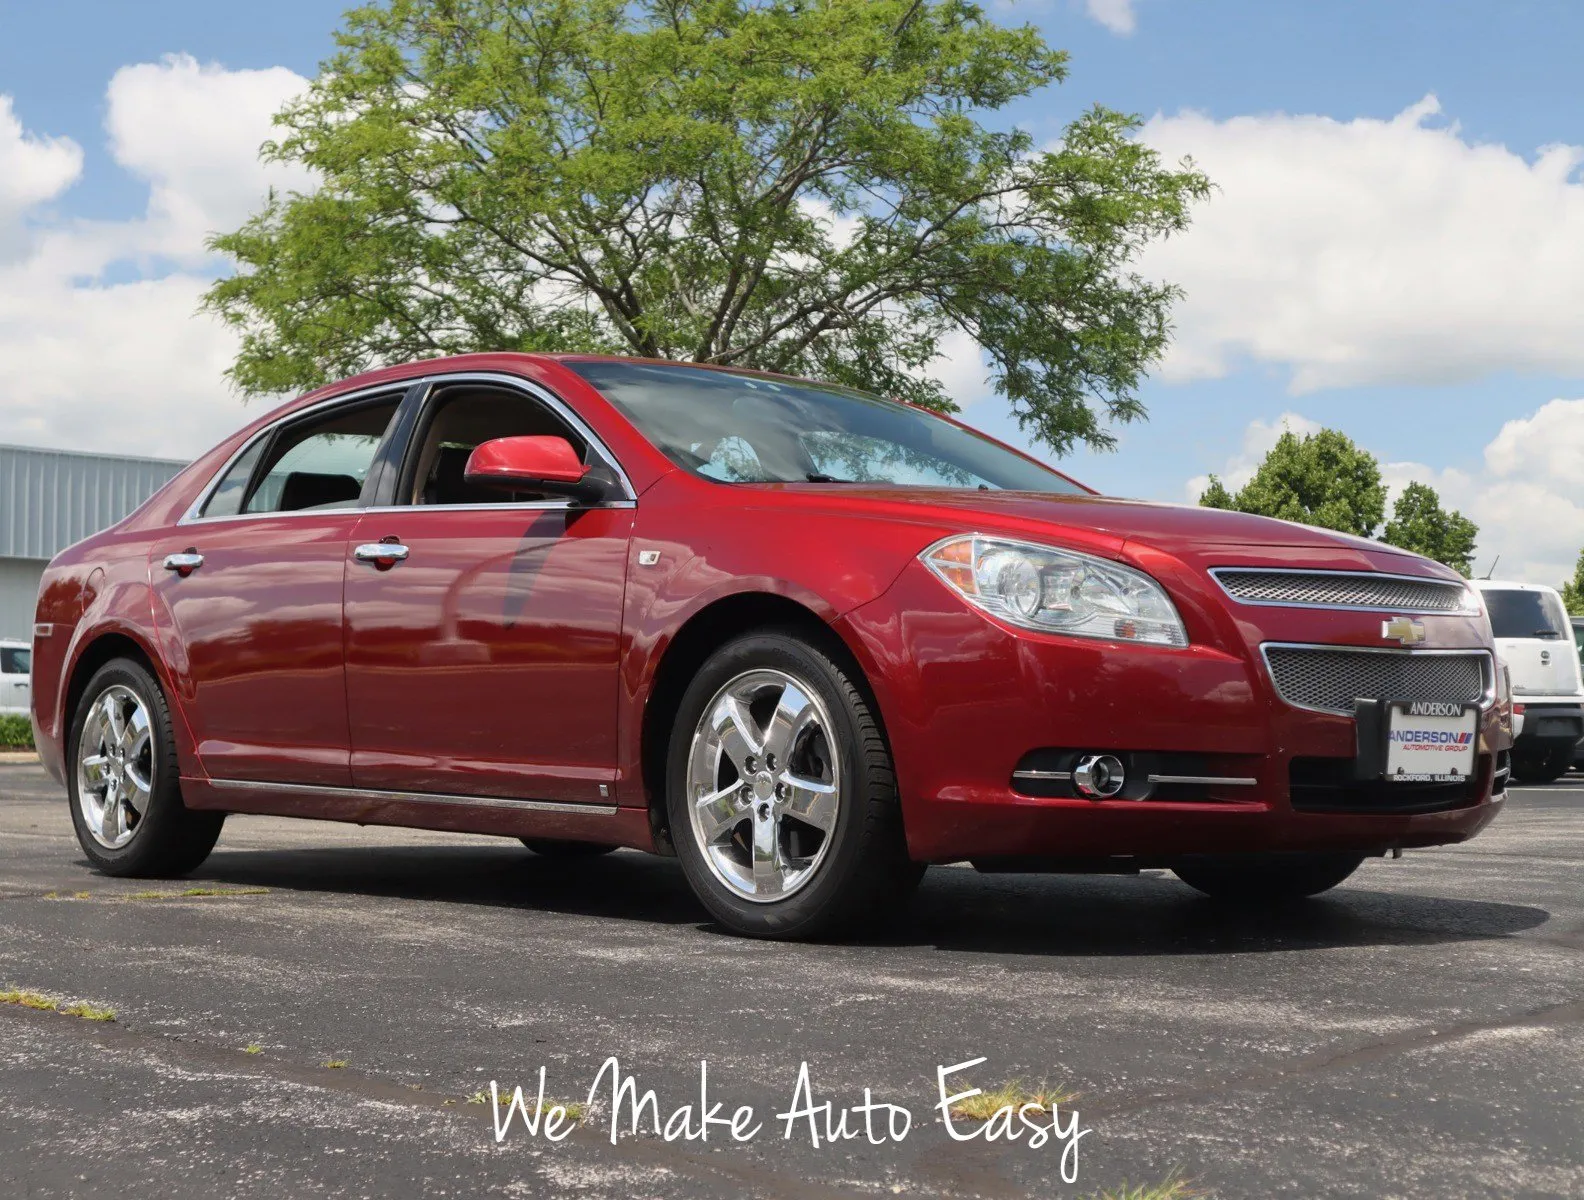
248,598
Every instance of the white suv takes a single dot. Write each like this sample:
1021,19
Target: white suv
1535,641
16,678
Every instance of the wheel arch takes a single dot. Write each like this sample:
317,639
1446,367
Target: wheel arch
106,646
708,629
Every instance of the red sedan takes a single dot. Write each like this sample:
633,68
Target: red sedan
806,640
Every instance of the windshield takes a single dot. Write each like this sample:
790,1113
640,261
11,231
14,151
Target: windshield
1524,614
751,429
14,660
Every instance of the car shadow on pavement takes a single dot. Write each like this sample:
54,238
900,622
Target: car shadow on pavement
955,910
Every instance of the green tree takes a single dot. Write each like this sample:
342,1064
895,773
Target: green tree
1319,479
1420,524
797,185
1573,590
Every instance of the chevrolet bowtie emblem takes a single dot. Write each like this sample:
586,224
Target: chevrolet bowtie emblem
1404,630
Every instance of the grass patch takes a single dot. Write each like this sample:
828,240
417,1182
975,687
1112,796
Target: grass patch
195,893
252,1048
40,1002
575,1110
1173,1187
986,1104
16,732
335,1064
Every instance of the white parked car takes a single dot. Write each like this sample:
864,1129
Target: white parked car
16,678
1535,640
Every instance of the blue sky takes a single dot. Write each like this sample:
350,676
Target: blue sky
1390,253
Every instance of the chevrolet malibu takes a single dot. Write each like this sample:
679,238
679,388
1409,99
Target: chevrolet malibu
806,640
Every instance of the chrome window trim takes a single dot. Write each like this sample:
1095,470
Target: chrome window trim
193,515
1468,590
1487,669
554,403
351,793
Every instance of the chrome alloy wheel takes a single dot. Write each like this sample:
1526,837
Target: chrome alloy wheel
764,785
115,766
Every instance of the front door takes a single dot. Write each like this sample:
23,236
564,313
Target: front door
484,661
247,601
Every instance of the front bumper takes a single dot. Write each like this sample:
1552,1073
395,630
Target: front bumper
968,703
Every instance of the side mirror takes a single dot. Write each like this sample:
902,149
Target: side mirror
536,464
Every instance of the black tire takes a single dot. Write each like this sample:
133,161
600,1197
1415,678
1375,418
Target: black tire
1266,877
168,839
1541,764
865,875
558,848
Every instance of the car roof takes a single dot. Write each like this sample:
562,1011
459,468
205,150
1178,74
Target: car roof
1502,585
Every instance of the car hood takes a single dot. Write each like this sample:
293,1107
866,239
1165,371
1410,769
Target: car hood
1185,531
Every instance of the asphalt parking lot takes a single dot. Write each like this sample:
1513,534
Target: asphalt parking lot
1416,1033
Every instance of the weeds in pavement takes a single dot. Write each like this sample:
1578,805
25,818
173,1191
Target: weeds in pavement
42,1003
335,1064
196,892
1173,1187
1014,1095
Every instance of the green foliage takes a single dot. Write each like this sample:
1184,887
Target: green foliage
16,733
1420,524
668,178
1217,496
1324,479
1573,590
1320,479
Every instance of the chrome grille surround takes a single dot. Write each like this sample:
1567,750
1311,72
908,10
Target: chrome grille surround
1345,589
1329,679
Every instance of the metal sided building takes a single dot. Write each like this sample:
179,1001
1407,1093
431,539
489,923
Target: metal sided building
52,498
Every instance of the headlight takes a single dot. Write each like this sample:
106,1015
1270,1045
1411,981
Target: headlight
1056,591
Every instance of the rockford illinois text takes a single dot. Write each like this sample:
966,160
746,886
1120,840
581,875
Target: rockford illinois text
614,1097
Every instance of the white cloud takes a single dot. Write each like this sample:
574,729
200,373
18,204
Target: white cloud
1528,500
1258,440
98,361
32,170
1115,15
1373,251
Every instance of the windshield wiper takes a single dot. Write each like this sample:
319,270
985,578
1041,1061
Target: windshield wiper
816,477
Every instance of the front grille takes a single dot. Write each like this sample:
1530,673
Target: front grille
1340,589
1331,678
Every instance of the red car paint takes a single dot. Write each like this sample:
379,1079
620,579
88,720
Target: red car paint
514,655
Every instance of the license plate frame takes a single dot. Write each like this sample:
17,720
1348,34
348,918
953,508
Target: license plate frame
1429,741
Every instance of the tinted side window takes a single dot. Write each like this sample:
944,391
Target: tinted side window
460,420
226,499
321,464
15,661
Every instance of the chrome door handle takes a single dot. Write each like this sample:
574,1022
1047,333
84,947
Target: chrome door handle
184,563
380,553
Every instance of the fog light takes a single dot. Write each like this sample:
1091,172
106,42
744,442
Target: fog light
1099,776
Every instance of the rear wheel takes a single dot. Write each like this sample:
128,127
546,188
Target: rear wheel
558,848
122,780
1541,764
1266,876
781,793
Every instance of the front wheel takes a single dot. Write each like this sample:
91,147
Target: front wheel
781,794
1266,876
126,801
